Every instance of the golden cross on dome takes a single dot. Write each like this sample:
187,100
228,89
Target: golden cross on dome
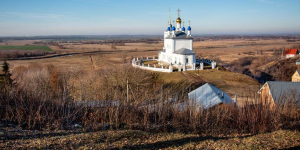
173,22
183,23
189,22
178,12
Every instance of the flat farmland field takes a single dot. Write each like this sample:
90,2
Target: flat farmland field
225,50
230,50
25,47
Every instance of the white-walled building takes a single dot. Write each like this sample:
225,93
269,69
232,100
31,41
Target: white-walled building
178,45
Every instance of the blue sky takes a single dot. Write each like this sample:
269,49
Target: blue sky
114,17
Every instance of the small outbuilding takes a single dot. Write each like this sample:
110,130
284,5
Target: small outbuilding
279,91
291,53
208,96
296,76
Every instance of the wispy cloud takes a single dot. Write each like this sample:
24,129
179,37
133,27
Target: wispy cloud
34,15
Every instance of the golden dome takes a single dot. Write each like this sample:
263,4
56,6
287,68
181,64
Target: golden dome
178,20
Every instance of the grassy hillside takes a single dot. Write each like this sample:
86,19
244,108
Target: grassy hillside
133,139
228,81
281,70
25,47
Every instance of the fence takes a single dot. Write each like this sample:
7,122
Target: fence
136,62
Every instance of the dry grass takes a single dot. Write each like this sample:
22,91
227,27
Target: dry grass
230,50
247,119
225,50
232,83
228,81
134,139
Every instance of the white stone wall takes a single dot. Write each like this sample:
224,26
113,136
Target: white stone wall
181,59
166,33
135,63
169,45
290,55
162,57
182,43
177,59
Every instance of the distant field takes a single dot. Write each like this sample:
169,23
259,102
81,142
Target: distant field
25,47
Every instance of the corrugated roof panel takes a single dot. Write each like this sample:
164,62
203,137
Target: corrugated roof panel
280,88
208,96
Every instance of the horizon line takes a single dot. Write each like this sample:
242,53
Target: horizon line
80,35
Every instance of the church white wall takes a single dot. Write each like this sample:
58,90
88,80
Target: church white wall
193,57
181,59
169,45
178,27
180,43
191,44
166,34
177,59
163,57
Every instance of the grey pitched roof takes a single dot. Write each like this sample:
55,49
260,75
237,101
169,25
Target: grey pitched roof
279,90
179,35
298,72
209,96
184,51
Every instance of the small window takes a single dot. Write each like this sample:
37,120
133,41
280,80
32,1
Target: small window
187,60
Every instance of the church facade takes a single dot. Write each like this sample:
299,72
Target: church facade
178,44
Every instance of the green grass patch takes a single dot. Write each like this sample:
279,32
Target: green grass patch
25,47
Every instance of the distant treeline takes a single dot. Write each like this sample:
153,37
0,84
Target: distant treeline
84,38
143,37
14,54
101,42
254,37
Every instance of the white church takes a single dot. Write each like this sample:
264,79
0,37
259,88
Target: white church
177,53
178,45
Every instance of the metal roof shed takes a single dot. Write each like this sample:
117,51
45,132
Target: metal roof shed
208,96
